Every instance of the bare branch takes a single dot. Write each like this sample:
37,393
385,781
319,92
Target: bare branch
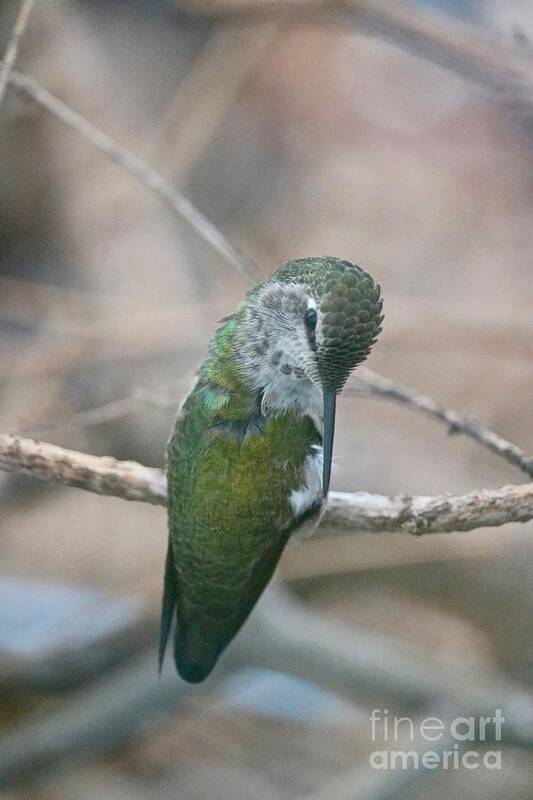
384,387
450,44
101,475
13,44
421,515
367,512
370,382
30,88
358,511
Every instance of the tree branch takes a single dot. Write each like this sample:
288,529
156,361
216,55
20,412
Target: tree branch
100,475
30,88
420,515
457,423
449,43
13,44
132,481
360,511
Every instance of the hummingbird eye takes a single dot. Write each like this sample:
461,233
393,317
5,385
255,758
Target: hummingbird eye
311,318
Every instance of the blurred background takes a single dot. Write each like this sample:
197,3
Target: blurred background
296,134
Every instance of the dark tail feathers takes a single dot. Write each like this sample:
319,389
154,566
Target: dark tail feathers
168,606
194,660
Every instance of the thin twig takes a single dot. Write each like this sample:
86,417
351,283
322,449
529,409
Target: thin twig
371,382
358,511
384,387
184,208
445,513
450,44
30,88
13,44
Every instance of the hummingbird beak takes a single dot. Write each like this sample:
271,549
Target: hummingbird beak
330,400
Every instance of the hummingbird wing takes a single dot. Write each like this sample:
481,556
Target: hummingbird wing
234,500
202,635
204,632
168,605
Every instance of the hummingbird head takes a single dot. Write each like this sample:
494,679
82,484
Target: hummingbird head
304,330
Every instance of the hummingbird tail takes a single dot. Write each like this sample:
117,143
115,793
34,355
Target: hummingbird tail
169,604
195,658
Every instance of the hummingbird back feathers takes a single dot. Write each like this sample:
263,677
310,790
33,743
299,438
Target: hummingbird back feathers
246,453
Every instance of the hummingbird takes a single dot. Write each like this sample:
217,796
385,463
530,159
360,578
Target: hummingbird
249,456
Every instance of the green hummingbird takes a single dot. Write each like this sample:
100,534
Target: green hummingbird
249,456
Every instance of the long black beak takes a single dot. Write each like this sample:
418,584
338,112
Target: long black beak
330,400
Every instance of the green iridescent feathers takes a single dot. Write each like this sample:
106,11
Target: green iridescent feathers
351,305
229,519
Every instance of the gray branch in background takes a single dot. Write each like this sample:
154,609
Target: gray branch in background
354,511
384,387
365,381
419,515
451,44
156,183
13,45
30,88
